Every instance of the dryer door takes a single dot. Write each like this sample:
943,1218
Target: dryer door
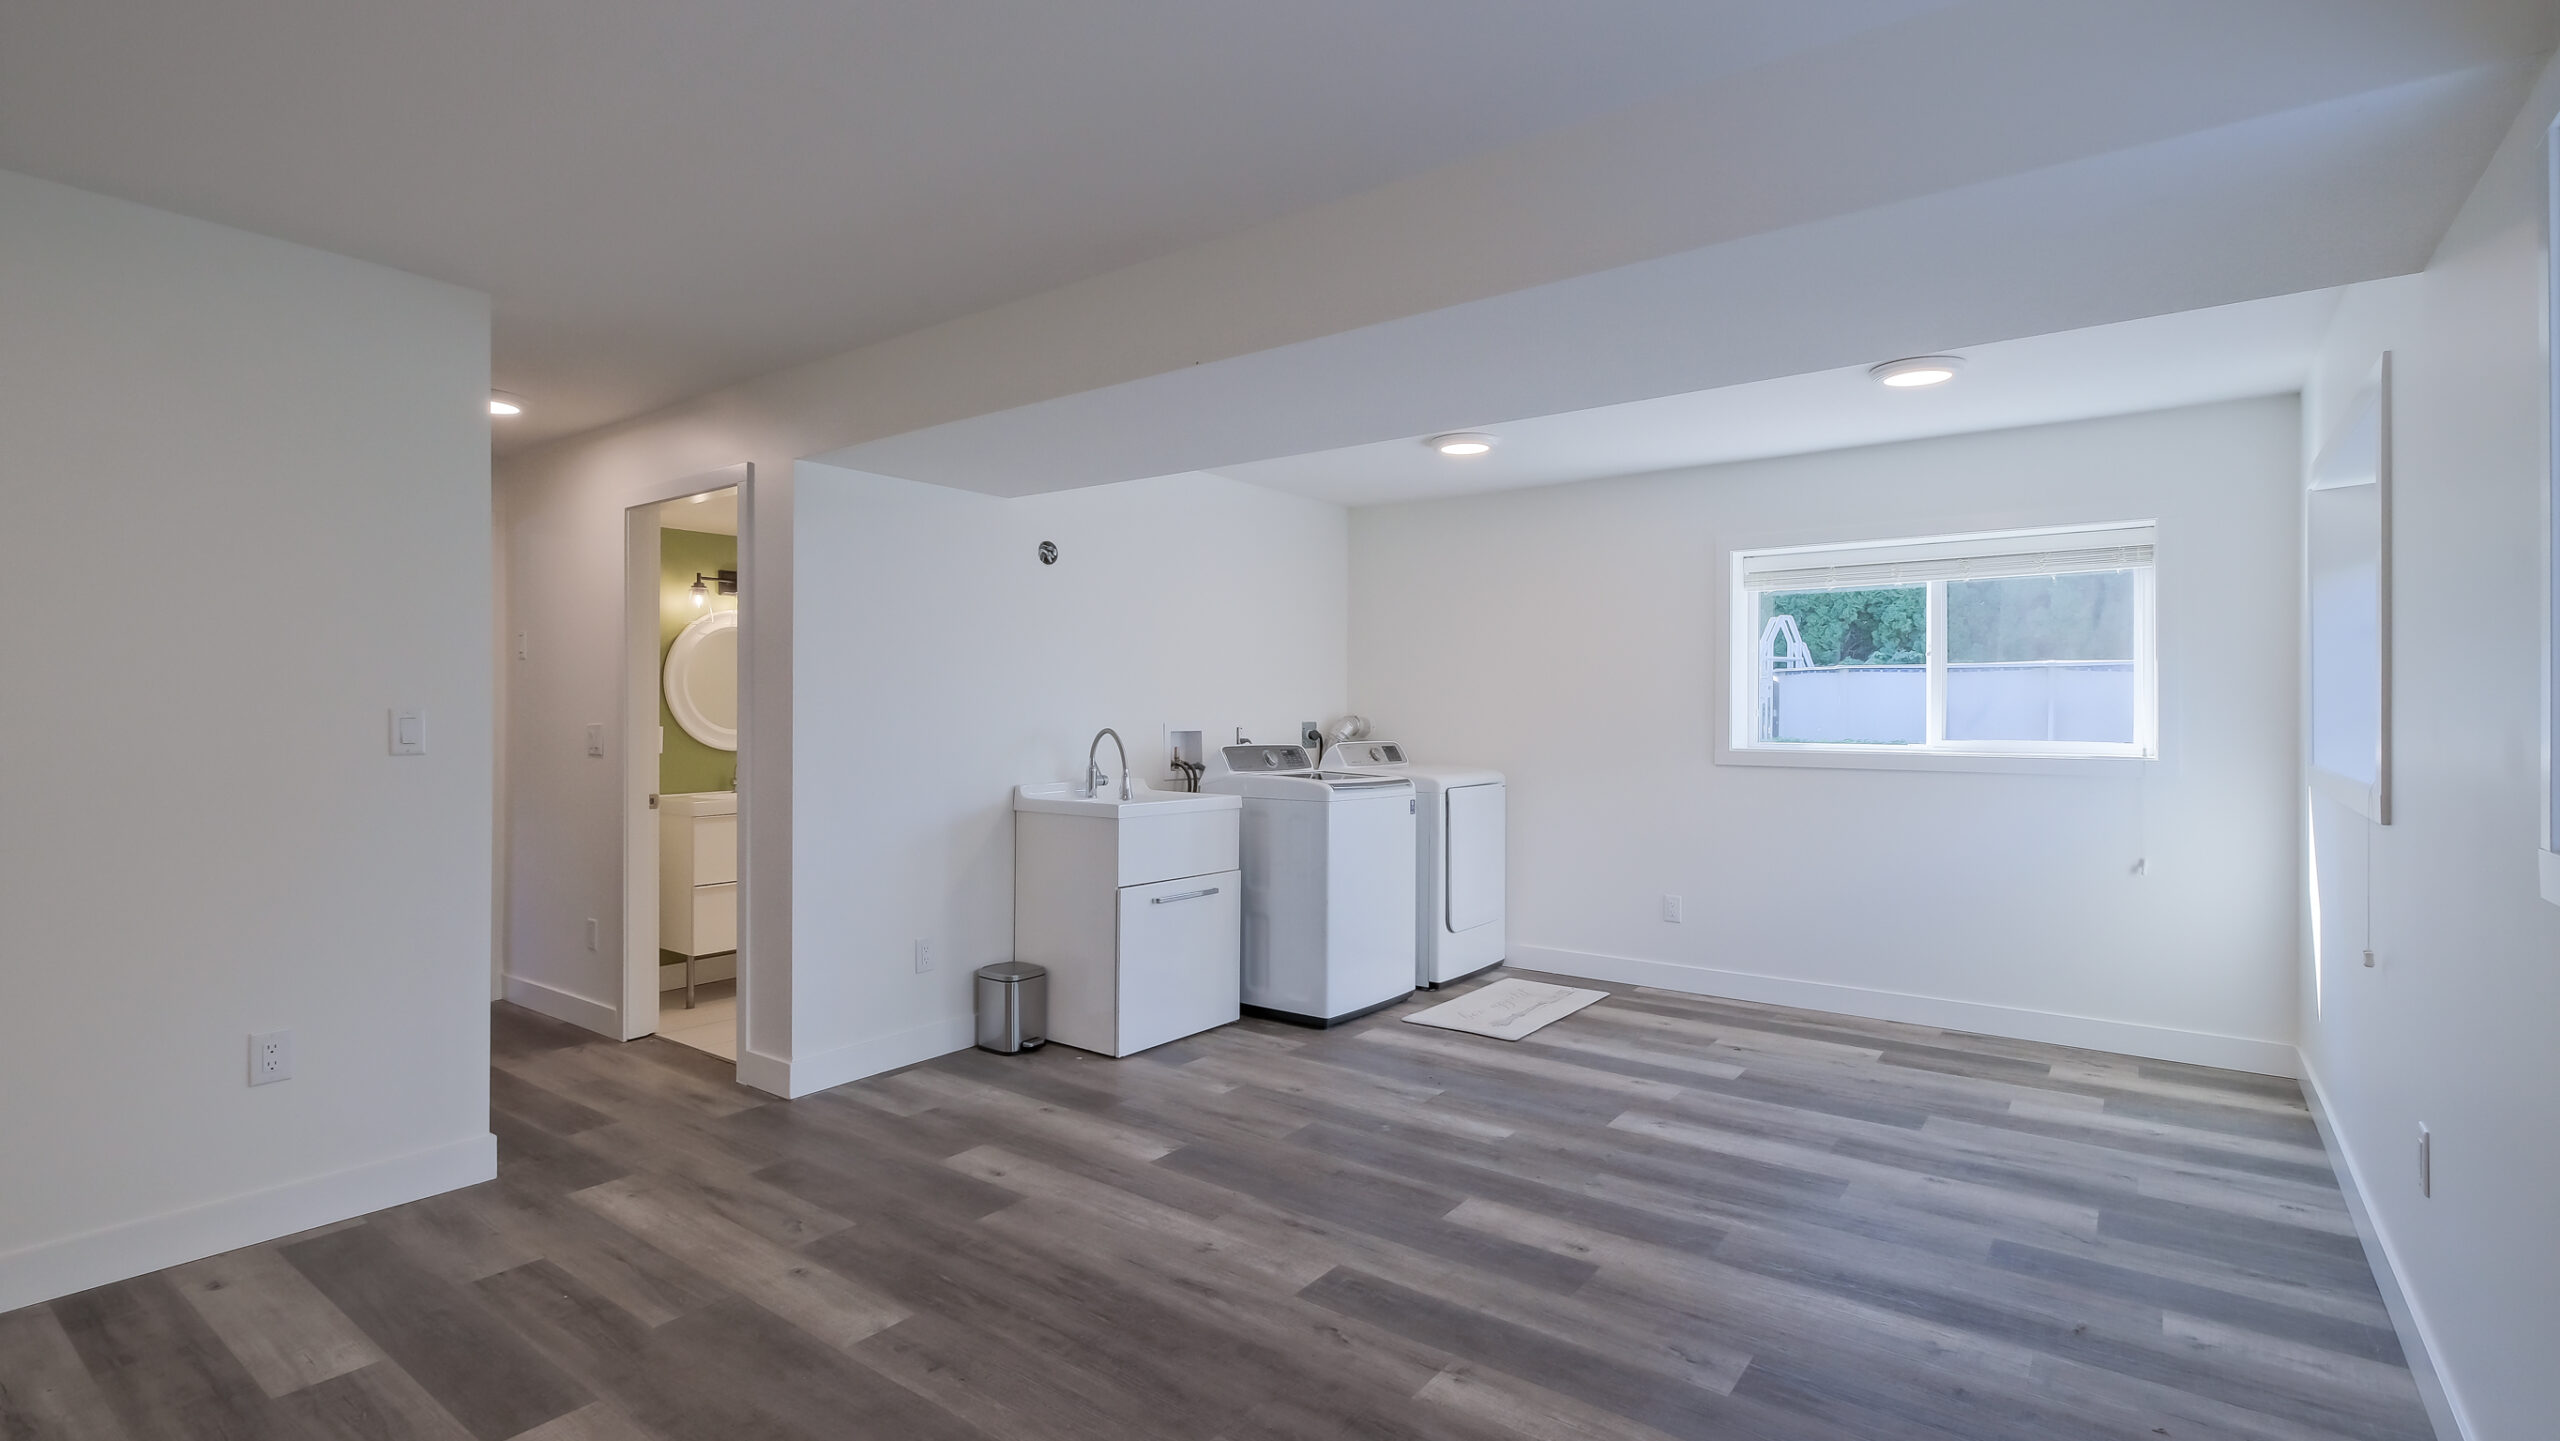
1474,856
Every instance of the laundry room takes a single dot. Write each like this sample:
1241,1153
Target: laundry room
1537,673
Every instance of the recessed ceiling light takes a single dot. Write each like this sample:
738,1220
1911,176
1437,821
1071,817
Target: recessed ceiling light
1918,371
1462,443
501,403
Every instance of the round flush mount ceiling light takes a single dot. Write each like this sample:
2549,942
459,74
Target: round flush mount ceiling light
501,403
1463,443
1918,371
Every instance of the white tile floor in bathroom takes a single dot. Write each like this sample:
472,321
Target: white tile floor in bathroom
712,1024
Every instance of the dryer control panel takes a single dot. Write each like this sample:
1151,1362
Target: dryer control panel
1369,753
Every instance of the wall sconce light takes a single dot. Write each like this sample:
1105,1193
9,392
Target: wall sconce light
728,580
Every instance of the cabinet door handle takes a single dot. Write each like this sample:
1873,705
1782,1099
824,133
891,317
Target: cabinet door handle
1185,896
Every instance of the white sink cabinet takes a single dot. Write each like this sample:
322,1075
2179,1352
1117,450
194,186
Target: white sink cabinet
1135,907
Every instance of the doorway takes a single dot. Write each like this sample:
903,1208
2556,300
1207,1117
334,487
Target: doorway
684,745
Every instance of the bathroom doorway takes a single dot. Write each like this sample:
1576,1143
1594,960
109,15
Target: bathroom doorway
683,746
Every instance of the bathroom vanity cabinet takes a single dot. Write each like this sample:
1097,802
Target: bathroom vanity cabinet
1135,907
698,873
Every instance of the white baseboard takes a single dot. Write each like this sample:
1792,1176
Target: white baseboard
2201,1048
568,1006
803,1074
769,1074
2442,1409
135,1248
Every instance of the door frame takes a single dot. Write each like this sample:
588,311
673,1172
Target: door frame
640,739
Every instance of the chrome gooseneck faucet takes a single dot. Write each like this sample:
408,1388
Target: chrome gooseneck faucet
1093,776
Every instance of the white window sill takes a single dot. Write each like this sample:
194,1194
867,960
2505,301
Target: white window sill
1883,758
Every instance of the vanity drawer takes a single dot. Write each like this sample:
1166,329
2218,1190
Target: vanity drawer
715,920
715,850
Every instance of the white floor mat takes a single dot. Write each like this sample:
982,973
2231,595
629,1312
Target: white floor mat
1507,1010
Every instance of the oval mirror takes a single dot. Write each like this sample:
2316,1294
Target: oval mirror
702,680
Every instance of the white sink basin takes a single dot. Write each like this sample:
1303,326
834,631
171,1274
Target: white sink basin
1152,836
1066,798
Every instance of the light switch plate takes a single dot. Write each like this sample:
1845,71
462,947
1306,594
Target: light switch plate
408,732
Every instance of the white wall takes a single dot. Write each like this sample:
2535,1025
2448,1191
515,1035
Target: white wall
561,811
247,489
1570,637
2453,1027
940,664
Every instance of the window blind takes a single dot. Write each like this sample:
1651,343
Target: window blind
1871,567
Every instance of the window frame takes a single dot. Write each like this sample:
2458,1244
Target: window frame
1737,741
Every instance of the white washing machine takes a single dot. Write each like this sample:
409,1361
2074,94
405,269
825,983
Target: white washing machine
1461,839
1328,884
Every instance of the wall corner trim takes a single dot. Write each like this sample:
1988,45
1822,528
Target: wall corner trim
568,1006
2442,1409
135,1248
804,1074
769,1074
2548,866
2132,1038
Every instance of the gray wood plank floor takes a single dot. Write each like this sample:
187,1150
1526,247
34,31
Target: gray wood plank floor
1663,1216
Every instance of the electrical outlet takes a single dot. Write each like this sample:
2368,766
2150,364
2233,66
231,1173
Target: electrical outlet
595,933
595,740
523,650
1310,734
2368,960
2426,1160
270,1057
924,956
1671,909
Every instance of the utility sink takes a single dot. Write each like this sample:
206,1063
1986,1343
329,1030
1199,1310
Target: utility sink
1152,836
1066,798
1136,907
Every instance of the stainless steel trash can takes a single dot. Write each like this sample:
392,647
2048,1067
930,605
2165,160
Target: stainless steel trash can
1013,1006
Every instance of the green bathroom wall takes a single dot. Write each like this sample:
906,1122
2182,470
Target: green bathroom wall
687,764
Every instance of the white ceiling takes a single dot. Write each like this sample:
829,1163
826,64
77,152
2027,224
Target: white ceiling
2258,347
666,195
662,196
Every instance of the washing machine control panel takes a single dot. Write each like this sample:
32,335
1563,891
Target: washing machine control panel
1267,758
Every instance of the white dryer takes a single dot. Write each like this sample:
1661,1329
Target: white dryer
1328,884
1461,837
